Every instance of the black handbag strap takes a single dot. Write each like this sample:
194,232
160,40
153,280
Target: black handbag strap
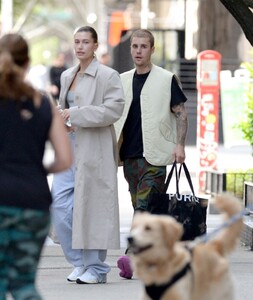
188,177
187,174
167,182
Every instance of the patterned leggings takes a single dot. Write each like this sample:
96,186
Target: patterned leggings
143,179
22,235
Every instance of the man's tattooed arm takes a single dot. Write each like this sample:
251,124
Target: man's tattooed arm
182,122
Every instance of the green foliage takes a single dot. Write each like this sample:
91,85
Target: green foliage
19,6
43,49
235,181
40,48
246,125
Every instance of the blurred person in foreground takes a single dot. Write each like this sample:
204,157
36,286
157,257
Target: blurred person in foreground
85,197
28,120
153,127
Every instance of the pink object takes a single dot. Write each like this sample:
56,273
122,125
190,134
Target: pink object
124,265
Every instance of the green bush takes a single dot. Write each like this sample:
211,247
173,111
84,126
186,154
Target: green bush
246,125
235,181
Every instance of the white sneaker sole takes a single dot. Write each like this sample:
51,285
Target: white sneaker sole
79,281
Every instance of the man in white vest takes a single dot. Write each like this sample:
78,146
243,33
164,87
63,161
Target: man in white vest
153,127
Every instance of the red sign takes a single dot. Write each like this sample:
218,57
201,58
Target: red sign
208,84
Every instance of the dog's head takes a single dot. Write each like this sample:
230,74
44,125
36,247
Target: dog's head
153,236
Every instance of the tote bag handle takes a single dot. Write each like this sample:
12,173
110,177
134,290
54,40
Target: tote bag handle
187,174
188,177
167,182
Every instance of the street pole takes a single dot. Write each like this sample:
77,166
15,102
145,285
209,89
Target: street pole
7,16
144,13
102,25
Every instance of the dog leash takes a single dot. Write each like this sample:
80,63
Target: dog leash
208,236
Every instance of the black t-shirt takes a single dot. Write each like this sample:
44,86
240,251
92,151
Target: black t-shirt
23,133
55,77
132,146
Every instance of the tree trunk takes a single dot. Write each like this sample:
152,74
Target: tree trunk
218,30
243,15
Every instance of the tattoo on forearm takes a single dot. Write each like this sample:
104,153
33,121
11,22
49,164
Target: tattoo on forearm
182,122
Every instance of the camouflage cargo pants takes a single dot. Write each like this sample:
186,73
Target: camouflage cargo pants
143,179
22,235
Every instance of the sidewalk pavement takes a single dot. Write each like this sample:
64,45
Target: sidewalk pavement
53,268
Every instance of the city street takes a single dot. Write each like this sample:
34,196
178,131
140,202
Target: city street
53,268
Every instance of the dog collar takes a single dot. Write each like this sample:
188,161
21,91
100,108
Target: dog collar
155,292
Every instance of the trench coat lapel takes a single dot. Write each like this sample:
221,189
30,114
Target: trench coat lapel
89,84
68,80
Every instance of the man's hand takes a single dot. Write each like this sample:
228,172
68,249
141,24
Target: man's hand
179,154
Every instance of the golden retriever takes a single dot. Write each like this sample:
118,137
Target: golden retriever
173,270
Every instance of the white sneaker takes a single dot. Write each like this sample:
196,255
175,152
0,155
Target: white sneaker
87,278
78,271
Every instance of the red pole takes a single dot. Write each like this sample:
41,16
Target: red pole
208,86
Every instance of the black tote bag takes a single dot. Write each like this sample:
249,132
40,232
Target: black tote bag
187,209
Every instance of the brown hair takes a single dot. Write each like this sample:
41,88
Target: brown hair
14,57
143,33
90,29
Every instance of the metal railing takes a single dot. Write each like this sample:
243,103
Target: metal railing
218,182
215,182
239,185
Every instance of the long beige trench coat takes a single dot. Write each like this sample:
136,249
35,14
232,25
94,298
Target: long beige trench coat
98,103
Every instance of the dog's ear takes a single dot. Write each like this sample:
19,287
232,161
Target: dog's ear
172,230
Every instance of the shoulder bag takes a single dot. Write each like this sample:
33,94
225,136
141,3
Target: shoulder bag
187,209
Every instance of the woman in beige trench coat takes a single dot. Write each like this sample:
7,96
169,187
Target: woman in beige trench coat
92,100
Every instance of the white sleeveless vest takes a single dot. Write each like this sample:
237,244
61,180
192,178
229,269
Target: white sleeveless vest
159,129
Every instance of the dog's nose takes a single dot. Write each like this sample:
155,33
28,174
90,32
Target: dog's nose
130,240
